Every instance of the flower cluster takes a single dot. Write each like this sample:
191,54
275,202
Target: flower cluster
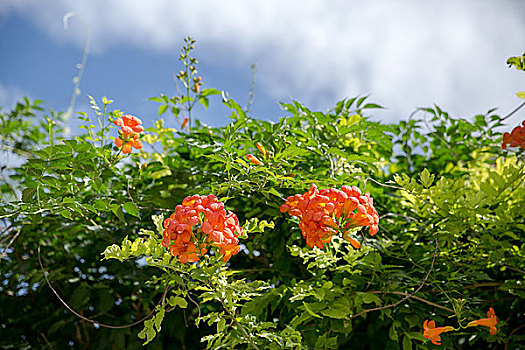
516,138
324,213
129,133
198,222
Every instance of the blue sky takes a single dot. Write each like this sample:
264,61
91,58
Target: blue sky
406,54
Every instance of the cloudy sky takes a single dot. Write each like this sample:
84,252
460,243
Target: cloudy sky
406,54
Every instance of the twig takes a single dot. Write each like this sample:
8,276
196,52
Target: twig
373,273
47,341
10,243
233,318
511,333
407,296
94,321
152,208
413,297
514,111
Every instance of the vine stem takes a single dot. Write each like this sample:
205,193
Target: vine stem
162,300
514,111
511,333
234,319
407,296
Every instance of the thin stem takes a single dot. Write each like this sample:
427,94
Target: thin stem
162,300
415,298
511,333
233,318
514,111
407,296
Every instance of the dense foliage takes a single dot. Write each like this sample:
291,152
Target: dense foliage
100,218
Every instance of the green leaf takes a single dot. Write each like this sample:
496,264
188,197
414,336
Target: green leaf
372,105
338,309
392,333
210,91
66,213
521,94
131,208
353,119
175,111
159,317
310,311
178,301
162,110
27,194
117,210
407,343
221,324
369,298
204,101
426,178
148,332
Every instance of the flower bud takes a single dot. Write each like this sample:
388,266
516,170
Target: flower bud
254,160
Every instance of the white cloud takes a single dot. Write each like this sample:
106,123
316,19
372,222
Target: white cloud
406,53
10,95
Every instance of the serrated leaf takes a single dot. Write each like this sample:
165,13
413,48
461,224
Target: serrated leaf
392,333
426,178
178,301
158,318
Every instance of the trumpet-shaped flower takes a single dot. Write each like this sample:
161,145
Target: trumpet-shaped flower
430,331
129,124
490,322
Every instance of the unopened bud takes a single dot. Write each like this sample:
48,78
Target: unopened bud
254,160
184,122
261,149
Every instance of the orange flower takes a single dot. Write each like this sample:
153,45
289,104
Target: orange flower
128,144
129,133
197,222
430,331
184,122
324,213
516,138
129,124
261,149
254,160
490,322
